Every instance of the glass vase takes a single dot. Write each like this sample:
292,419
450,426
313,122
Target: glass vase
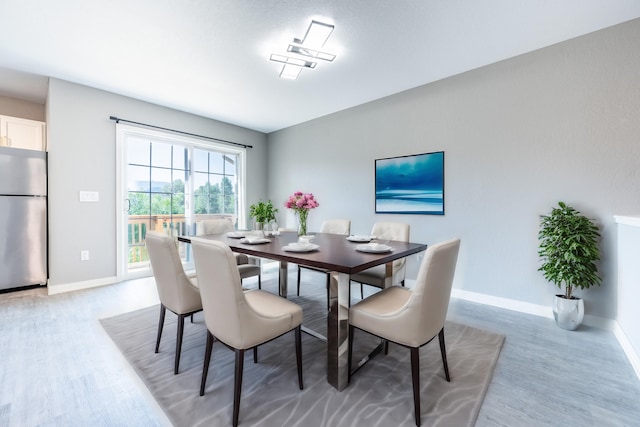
302,222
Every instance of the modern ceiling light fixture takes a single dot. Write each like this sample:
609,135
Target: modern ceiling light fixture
316,36
292,66
312,53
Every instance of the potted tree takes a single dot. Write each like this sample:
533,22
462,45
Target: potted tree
262,213
568,249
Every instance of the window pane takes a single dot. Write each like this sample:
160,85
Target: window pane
161,154
139,203
179,175
180,157
216,163
161,180
230,167
138,151
138,178
161,205
200,160
200,181
177,204
228,190
178,185
201,204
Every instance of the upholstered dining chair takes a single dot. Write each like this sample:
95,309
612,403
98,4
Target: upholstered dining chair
176,290
411,318
375,276
223,225
239,320
333,226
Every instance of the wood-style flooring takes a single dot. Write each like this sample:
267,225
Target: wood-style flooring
58,367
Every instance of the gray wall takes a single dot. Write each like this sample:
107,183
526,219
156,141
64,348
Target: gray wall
560,123
82,156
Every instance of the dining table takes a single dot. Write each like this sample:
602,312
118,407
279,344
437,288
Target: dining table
342,256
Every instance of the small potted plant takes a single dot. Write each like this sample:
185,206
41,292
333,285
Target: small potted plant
262,213
568,250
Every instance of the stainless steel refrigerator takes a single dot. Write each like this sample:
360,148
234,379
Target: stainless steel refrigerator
23,218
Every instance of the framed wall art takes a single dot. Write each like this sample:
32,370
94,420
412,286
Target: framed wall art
411,184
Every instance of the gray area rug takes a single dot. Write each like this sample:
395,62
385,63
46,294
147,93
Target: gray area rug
380,394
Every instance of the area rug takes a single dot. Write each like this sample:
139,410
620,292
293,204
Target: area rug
380,394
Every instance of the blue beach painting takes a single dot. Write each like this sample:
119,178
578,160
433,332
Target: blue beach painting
410,184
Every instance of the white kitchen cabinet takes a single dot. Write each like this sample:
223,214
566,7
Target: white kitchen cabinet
22,133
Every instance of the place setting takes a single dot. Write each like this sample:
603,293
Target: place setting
374,248
253,238
236,234
369,246
359,238
302,245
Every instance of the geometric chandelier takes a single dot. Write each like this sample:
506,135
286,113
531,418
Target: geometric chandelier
304,53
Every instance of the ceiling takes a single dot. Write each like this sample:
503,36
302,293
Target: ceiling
210,57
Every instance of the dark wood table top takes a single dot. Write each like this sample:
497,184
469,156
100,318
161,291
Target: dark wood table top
335,252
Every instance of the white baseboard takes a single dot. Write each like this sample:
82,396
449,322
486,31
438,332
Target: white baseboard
76,286
628,349
528,308
509,304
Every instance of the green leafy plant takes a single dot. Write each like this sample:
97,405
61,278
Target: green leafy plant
569,249
263,212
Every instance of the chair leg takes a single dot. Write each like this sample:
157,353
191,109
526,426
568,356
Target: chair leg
259,281
349,354
237,387
298,334
443,351
386,346
298,281
179,334
207,359
328,285
191,317
361,291
415,375
163,311
255,354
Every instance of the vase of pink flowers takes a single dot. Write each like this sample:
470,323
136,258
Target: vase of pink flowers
301,203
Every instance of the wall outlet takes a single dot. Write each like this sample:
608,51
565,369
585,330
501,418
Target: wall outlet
84,255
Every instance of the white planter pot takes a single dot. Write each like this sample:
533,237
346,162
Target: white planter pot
568,312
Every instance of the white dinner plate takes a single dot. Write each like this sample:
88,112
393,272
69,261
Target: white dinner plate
360,239
255,241
374,248
235,234
301,248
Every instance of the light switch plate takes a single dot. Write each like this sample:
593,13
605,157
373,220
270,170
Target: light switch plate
89,196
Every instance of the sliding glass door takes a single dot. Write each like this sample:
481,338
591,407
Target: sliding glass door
167,184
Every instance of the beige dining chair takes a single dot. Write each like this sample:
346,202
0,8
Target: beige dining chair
176,290
411,318
224,225
333,226
239,320
375,276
